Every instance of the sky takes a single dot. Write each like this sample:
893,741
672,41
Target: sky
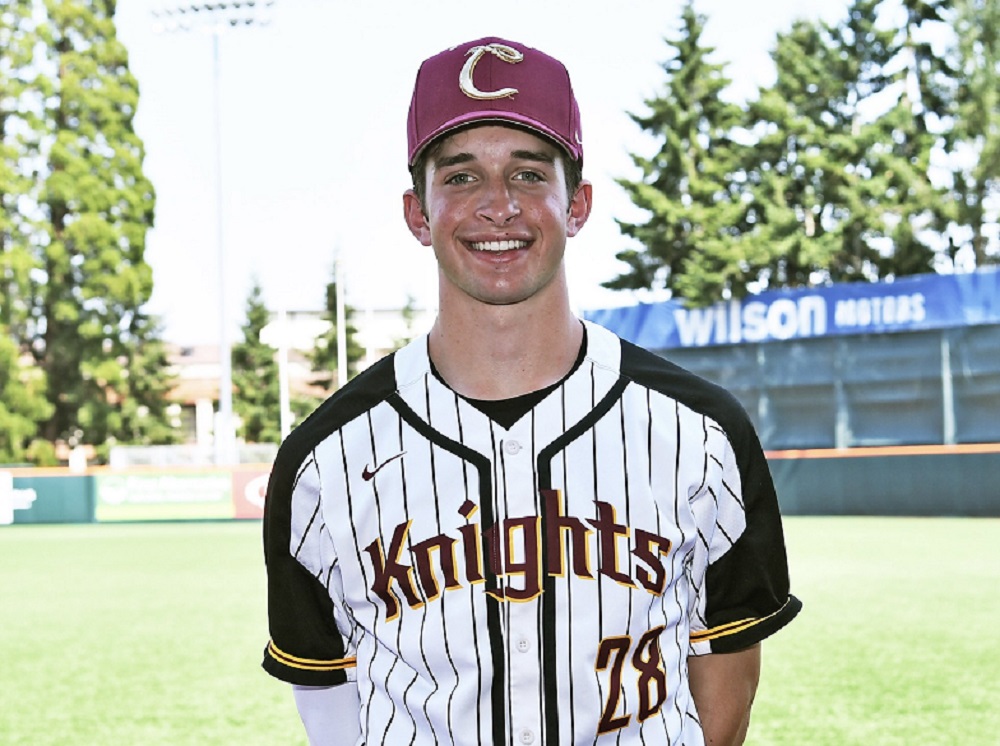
311,117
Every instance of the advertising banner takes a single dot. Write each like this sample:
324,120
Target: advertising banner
249,490
908,304
45,496
156,496
12,498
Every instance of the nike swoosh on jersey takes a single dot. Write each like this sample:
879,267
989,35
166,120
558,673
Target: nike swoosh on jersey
368,474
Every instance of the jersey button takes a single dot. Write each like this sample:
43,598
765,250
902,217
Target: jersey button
523,645
527,736
512,447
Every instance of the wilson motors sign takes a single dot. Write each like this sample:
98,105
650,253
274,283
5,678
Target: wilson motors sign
908,304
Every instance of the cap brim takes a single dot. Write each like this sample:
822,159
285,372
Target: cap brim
496,117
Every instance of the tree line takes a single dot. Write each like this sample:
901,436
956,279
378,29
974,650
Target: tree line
256,392
874,154
81,361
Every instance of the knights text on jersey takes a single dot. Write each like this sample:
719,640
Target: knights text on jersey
543,584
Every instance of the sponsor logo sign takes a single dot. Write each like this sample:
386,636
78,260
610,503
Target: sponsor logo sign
12,499
908,304
163,496
249,491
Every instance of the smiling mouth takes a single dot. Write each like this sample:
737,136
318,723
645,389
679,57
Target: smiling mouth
498,245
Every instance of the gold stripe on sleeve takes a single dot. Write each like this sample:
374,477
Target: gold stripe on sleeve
731,628
309,664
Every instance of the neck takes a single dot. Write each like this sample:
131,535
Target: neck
501,352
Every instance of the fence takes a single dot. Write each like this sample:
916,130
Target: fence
137,494
916,388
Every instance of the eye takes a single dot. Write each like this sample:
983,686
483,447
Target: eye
458,179
532,177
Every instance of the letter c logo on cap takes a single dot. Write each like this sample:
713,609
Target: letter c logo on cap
501,51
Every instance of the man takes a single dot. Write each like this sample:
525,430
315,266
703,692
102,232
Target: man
519,528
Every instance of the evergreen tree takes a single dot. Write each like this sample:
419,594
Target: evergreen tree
825,176
18,147
145,417
74,222
98,207
22,403
977,128
689,239
256,395
813,200
913,210
841,174
324,354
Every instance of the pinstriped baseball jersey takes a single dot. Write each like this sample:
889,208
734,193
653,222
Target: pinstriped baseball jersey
539,584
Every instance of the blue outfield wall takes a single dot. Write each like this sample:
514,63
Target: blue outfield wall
903,481
894,387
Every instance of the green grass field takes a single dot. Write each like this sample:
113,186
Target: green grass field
152,634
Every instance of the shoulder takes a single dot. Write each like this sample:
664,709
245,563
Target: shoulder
661,376
361,394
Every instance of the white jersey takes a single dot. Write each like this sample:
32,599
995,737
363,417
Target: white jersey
542,584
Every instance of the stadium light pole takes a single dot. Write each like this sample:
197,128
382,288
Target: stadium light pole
215,18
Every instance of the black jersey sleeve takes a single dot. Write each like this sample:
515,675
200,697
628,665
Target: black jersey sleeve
305,646
746,584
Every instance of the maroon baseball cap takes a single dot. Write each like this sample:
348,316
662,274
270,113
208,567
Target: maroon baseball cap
493,80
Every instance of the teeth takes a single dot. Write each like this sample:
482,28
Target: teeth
498,245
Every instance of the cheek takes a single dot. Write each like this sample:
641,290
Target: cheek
554,211
441,212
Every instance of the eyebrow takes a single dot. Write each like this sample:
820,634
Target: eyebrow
534,155
444,161
538,156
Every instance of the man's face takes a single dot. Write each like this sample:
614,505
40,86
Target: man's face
497,214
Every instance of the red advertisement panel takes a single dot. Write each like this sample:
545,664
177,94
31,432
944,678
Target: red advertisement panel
249,489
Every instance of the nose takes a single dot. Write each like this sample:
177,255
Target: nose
499,204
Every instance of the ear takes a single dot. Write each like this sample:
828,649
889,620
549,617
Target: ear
579,208
416,219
